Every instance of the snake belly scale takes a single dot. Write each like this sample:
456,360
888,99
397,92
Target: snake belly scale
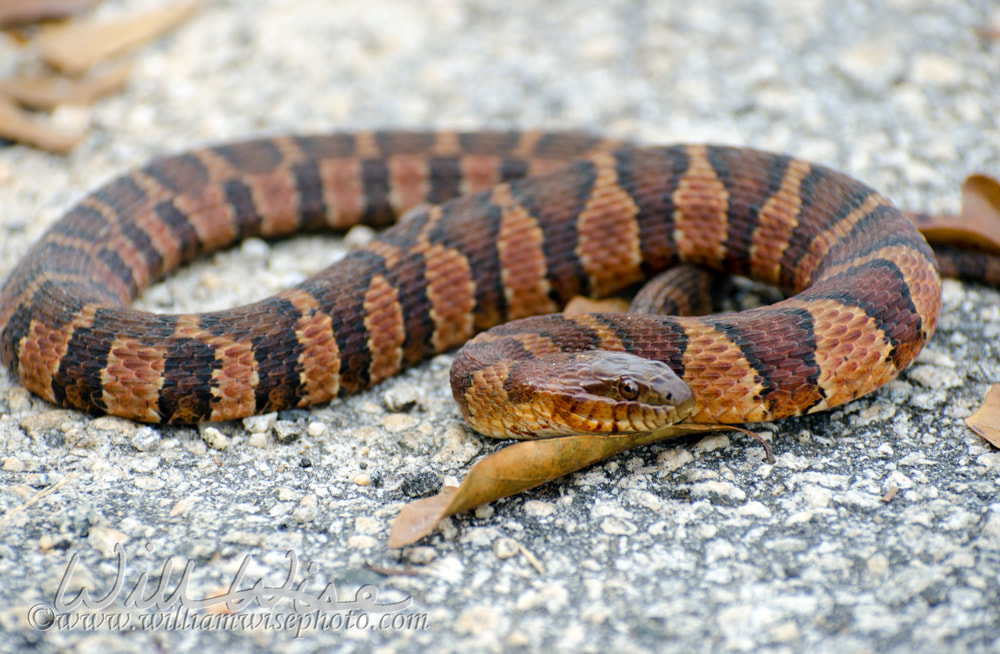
527,232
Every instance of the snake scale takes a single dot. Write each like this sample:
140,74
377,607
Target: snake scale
498,227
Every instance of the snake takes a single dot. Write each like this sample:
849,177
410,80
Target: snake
486,236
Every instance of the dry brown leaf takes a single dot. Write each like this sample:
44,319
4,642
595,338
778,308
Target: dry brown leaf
15,12
977,227
986,421
75,47
18,125
516,468
51,91
420,517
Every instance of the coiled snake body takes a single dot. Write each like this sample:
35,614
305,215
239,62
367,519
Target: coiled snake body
866,292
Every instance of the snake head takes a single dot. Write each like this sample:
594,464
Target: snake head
620,393
567,393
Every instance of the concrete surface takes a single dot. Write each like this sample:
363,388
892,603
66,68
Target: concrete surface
685,547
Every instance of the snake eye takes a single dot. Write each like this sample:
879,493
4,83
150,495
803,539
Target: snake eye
628,388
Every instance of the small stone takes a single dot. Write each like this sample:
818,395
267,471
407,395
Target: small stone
398,422
214,438
317,430
872,66
877,412
286,432
359,236
256,248
367,525
478,619
877,565
933,377
104,539
674,458
713,442
786,632
401,398
617,526
989,535
518,640
419,484
362,542
290,279
930,68
858,500
551,597
989,460
755,509
18,400
113,424
506,548
718,550
240,537
182,506
700,474
195,446
145,439
421,555
83,438
372,408
13,464
801,518
718,490
307,509
458,447
816,496
539,509
211,282
258,440
260,424
899,480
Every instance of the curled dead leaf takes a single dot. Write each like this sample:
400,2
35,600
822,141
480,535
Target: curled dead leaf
986,421
75,47
16,12
49,91
521,466
977,227
19,125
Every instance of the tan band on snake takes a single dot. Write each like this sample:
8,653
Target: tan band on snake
866,292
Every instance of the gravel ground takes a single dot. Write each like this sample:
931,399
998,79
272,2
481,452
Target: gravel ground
692,546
